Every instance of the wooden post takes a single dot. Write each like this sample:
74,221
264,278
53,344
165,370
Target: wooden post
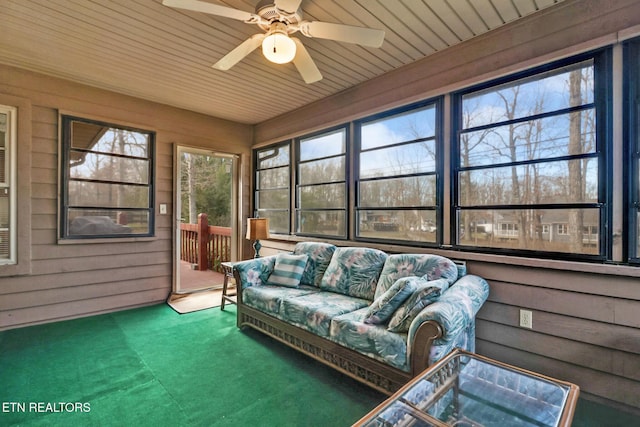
203,241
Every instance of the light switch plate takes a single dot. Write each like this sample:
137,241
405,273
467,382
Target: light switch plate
163,208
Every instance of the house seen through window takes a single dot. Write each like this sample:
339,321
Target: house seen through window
529,163
397,176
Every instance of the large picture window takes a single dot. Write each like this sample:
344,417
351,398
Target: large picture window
7,185
107,180
397,175
272,191
530,162
321,202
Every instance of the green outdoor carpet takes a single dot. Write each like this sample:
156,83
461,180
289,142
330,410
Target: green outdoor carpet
154,367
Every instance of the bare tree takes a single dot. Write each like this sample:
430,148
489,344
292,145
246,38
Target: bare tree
469,193
576,177
191,187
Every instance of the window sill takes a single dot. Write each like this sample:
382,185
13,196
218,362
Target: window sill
106,240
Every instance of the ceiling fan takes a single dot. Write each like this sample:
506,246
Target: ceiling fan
279,19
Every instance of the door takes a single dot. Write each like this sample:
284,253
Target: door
205,217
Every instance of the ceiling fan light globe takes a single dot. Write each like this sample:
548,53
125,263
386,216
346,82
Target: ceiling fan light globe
278,48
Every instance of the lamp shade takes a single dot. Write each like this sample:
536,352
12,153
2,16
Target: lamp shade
277,47
257,228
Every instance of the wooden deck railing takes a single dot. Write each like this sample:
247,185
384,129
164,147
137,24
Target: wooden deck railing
204,245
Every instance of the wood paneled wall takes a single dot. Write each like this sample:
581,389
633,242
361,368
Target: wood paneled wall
71,280
586,317
586,326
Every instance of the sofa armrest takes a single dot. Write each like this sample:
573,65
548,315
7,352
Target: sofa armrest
442,325
253,272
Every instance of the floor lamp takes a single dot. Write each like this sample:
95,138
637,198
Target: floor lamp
257,228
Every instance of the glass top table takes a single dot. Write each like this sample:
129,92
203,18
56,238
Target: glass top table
466,389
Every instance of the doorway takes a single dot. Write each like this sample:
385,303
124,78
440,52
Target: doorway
205,212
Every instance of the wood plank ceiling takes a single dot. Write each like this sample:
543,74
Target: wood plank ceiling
147,50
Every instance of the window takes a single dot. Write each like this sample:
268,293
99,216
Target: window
564,229
396,175
7,185
107,177
272,192
530,159
632,104
321,202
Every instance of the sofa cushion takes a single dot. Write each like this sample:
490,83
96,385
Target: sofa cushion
288,270
431,267
255,272
354,272
319,258
374,341
314,311
386,304
268,299
426,293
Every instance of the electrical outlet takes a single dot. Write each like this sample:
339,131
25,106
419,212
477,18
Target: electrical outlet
526,319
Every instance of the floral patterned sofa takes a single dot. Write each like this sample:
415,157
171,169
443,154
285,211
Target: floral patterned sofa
378,318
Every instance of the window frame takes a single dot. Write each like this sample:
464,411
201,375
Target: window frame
256,188
65,148
438,104
602,65
631,129
11,183
345,181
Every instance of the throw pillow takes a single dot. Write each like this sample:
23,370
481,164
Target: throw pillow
288,270
319,257
404,315
429,266
354,271
386,304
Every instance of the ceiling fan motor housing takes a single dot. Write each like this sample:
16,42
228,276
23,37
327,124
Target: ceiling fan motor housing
268,11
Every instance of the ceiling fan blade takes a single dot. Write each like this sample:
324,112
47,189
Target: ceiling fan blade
237,54
289,6
304,63
343,33
213,9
